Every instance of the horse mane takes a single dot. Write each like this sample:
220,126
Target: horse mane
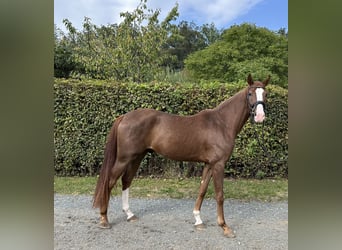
226,102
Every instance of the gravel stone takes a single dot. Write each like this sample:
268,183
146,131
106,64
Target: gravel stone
168,224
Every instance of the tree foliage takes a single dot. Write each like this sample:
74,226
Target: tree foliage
188,38
63,63
142,48
138,49
243,49
131,50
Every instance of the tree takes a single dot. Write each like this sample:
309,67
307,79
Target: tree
210,32
188,38
63,63
129,51
242,49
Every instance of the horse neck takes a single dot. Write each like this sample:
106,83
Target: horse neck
234,112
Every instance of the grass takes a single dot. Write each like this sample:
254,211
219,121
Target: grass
180,188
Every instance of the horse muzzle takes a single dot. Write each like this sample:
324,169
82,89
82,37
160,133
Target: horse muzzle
259,113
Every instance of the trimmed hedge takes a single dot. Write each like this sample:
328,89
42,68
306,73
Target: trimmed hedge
84,113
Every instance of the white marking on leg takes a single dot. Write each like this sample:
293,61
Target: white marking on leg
125,205
197,217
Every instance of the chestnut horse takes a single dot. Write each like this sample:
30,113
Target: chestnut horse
204,137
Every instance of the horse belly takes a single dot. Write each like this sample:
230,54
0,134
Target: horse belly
178,146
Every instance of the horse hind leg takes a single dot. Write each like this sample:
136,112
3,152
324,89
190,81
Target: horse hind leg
206,176
104,223
126,183
116,172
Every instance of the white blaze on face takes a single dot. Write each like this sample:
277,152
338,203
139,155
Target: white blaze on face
259,112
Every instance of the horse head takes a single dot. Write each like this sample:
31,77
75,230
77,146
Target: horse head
256,98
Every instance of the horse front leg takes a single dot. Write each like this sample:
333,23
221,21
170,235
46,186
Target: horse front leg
218,177
206,176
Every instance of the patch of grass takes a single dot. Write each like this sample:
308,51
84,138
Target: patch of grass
180,188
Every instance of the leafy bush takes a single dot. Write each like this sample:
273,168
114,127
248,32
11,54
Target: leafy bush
84,113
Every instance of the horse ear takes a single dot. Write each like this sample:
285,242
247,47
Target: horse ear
250,80
267,80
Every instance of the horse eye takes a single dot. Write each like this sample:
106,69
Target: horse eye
249,93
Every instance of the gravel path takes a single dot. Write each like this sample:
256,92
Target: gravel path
168,224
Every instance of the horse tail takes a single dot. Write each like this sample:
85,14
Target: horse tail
102,192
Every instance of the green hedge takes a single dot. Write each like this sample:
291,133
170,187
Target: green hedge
84,113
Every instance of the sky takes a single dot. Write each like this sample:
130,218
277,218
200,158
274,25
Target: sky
272,14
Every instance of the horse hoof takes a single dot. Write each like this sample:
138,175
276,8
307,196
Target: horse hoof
132,219
229,233
104,225
200,226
